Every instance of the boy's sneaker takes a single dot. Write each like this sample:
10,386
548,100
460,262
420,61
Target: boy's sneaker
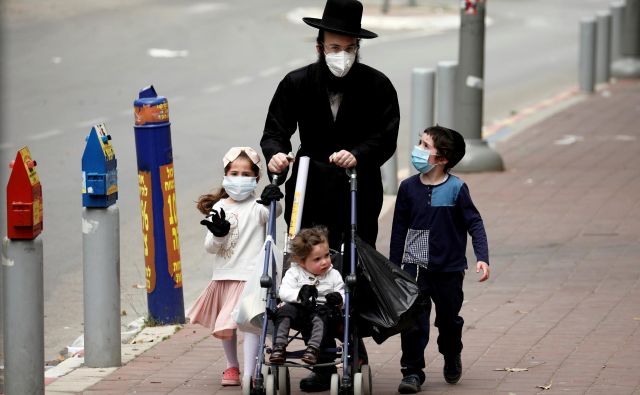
410,384
316,382
452,368
231,376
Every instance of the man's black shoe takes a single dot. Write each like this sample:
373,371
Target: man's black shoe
410,384
452,368
315,382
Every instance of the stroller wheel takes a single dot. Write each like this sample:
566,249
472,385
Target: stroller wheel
265,370
270,385
366,380
357,384
284,382
335,384
247,385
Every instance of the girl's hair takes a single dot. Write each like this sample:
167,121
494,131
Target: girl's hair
449,144
302,244
205,203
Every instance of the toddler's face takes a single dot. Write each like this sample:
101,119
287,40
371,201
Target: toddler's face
318,261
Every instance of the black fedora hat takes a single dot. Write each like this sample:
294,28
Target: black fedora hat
341,16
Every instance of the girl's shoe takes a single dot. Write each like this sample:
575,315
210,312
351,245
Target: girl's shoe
231,376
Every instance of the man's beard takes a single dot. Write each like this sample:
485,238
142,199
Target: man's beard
335,84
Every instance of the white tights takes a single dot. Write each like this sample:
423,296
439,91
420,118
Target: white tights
250,348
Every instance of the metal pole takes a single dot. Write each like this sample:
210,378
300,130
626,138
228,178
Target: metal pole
390,175
628,66
617,12
101,257
23,298
603,47
630,29
469,93
422,104
445,93
587,54
385,6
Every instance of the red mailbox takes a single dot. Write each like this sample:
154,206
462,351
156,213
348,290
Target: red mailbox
24,198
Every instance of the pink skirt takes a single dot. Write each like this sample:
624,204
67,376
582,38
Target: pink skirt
213,307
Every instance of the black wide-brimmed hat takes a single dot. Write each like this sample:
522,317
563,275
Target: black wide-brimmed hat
341,16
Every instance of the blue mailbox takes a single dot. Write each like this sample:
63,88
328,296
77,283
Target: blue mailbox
99,172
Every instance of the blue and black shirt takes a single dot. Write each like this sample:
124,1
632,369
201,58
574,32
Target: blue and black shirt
430,225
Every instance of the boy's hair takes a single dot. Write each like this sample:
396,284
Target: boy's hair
302,244
449,144
205,202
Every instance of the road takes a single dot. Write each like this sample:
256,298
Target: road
67,65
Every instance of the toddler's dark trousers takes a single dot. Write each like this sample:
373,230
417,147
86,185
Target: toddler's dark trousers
445,290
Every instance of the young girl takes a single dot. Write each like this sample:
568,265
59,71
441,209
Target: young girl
236,232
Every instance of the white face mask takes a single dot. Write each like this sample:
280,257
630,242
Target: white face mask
340,63
238,187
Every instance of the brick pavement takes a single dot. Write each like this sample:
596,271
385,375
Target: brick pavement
564,299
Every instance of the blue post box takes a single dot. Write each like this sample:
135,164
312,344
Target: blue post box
158,208
99,170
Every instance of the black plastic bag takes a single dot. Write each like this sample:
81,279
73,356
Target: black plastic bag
384,295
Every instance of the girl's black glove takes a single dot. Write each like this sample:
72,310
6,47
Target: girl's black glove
269,194
218,225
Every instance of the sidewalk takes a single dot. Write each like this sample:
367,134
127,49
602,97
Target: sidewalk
561,312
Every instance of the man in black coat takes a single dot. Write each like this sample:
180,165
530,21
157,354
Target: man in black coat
348,116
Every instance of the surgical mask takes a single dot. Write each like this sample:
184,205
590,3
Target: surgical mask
420,159
238,187
340,63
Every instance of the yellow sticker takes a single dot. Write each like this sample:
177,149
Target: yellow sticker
29,166
107,149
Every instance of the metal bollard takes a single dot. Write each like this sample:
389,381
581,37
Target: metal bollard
100,252
628,66
23,295
603,47
469,94
587,75
422,105
617,10
22,281
445,93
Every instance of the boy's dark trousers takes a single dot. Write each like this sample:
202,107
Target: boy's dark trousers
445,290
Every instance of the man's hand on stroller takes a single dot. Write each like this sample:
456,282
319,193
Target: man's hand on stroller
218,225
307,296
269,194
334,299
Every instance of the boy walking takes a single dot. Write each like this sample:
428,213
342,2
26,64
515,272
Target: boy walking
433,214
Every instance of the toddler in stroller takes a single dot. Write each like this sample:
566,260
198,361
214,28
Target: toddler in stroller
312,292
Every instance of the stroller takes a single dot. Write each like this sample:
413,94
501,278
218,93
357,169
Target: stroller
271,379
